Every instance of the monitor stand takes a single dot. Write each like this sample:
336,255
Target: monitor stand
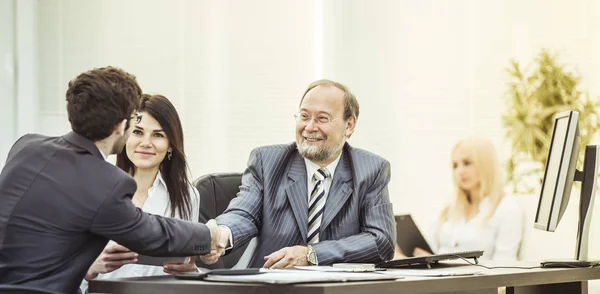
587,177
569,263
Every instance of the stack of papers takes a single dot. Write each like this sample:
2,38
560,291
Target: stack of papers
300,276
445,272
357,269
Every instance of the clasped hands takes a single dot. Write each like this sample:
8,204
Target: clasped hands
219,241
115,256
287,257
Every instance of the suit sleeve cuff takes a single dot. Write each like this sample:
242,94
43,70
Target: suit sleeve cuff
310,247
230,238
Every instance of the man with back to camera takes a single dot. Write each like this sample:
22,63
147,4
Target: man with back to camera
317,201
62,202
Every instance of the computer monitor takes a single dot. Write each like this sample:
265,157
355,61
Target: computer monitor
559,175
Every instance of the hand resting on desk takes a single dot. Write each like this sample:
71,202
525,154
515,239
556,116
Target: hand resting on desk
287,257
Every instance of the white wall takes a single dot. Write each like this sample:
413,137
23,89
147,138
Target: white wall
18,71
7,77
233,69
426,73
431,72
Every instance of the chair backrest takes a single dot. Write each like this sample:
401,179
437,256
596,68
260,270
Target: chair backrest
21,289
216,191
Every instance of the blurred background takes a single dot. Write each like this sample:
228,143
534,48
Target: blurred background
426,74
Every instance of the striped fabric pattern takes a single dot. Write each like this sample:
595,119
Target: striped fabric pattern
357,223
316,205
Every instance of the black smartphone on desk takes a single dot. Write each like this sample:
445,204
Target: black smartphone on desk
225,272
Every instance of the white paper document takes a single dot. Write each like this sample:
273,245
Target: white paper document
300,276
445,272
334,269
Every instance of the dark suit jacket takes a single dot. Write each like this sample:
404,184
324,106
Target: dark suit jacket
357,224
60,204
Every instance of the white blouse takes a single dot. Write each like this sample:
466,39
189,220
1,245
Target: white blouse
500,238
156,203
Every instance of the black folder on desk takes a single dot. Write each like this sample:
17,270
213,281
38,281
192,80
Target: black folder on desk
408,235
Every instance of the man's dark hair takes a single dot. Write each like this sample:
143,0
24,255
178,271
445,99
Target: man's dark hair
101,98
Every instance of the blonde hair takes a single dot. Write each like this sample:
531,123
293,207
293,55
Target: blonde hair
486,162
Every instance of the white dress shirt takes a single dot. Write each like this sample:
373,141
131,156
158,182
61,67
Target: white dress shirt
156,203
312,168
103,155
499,238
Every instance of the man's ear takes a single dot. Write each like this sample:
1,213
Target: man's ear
120,128
350,125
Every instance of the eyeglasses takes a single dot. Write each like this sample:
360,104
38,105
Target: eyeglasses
321,119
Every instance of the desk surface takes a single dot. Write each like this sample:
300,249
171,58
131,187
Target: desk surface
487,282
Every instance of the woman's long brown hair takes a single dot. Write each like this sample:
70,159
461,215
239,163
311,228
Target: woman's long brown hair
173,171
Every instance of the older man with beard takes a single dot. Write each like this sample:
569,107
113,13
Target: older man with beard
317,201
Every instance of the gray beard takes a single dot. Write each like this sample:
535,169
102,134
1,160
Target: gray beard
314,153
318,154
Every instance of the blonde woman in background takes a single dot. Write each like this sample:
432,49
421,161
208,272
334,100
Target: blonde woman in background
480,216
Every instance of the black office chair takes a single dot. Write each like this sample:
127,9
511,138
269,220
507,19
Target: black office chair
216,191
20,289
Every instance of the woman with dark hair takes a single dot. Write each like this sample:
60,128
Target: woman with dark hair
154,152
154,157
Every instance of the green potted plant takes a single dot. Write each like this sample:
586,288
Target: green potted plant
533,97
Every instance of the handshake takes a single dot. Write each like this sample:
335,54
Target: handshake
219,242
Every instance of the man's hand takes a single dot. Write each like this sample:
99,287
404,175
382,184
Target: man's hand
112,257
179,268
287,257
219,234
219,240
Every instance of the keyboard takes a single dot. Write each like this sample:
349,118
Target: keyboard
429,259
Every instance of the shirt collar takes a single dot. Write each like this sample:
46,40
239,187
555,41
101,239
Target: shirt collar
312,168
159,180
102,153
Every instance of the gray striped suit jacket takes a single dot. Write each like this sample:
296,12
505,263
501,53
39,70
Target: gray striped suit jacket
357,224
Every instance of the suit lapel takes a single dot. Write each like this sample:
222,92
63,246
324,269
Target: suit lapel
297,193
340,190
